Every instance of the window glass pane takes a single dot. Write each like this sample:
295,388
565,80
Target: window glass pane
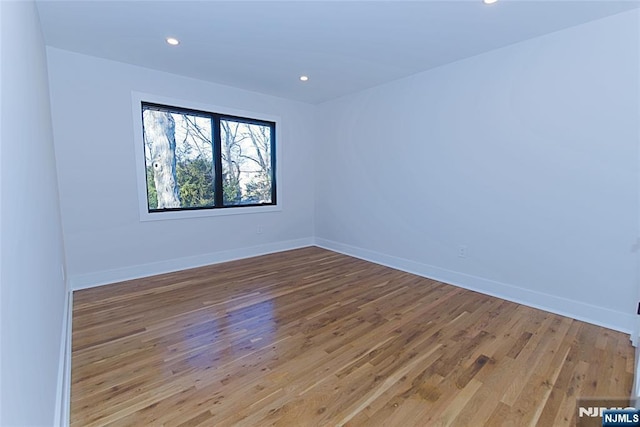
246,163
179,159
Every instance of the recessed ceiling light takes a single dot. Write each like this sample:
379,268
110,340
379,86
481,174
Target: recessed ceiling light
173,41
304,78
489,1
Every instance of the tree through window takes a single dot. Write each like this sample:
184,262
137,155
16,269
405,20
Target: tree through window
201,160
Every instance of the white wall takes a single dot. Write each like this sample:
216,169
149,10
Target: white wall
93,130
527,155
33,290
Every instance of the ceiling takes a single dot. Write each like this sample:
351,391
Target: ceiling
343,46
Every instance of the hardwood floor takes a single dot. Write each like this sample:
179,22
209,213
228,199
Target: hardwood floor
314,338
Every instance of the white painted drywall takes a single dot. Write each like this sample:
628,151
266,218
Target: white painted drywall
94,140
1,83
33,289
527,155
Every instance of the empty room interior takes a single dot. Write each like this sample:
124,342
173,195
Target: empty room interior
318,213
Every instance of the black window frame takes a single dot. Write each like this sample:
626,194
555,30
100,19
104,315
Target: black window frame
217,156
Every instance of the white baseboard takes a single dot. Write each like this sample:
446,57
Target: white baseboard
615,320
63,395
84,281
600,316
635,390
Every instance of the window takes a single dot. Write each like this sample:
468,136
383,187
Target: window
199,160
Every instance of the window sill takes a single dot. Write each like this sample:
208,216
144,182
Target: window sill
203,213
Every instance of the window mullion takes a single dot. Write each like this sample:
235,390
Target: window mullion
217,160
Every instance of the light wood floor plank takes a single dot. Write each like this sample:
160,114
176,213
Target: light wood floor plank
314,338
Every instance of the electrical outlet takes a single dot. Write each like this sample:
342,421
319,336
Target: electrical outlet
259,230
463,251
